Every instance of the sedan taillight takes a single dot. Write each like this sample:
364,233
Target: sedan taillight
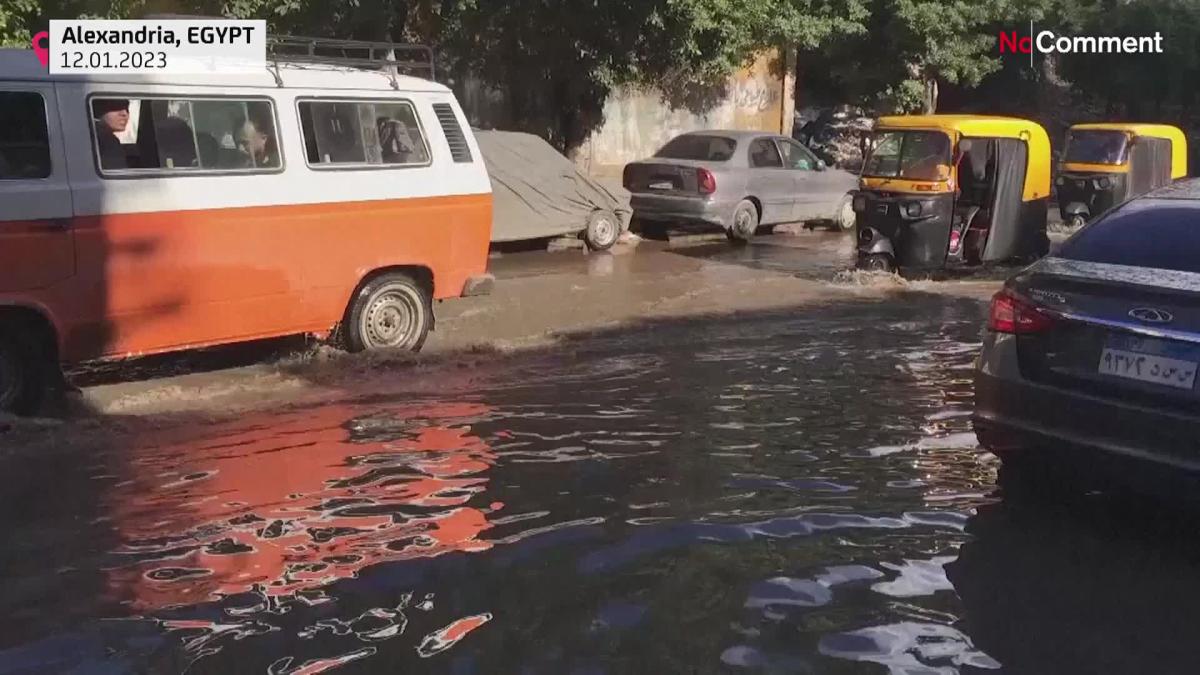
706,182
1013,314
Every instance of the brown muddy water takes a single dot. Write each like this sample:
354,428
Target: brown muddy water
782,491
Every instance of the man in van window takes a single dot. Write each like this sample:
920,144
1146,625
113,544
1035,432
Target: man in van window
397,144
111,116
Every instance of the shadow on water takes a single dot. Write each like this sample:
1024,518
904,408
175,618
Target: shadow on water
1105,585
770,492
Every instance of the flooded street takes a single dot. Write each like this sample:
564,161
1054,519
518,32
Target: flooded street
778,491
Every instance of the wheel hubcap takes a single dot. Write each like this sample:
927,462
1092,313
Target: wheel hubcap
743,223
390,321
603,231
848,216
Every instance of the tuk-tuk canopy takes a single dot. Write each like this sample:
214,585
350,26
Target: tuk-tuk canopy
1179,152
1037,175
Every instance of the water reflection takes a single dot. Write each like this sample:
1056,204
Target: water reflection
286,506
777,493
1103,586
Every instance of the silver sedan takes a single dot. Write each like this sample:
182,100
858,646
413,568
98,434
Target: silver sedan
738,180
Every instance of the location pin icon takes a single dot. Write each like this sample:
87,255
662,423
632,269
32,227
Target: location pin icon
43,53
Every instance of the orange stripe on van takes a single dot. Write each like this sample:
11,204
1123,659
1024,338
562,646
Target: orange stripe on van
153,282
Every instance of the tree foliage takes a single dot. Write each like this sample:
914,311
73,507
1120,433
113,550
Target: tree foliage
552,63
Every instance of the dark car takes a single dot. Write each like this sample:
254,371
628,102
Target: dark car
1093,352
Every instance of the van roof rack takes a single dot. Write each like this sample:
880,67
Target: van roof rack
391,57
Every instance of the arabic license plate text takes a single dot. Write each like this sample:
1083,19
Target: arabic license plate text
1148,368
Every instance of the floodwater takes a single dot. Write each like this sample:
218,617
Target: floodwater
790,492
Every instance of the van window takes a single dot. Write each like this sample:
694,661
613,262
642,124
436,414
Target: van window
180,135
24,138
363,133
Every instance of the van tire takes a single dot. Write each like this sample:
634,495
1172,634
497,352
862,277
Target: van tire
23,373
392,311
603,230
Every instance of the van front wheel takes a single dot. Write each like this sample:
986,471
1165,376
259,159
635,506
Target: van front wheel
392,311
22,375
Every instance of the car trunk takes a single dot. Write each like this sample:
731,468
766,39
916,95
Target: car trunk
676,177
1115,340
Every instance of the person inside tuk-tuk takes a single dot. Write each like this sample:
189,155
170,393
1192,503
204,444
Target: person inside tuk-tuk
930,151
972,172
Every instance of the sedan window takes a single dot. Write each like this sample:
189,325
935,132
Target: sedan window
700,147
764,154
1158,234
796,156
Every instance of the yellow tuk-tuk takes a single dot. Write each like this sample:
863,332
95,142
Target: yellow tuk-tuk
1106,164
946,190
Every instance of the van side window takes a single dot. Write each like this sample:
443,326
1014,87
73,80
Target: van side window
370,133
24,137
181,135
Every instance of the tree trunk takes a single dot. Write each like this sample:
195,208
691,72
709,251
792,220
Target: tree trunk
931,95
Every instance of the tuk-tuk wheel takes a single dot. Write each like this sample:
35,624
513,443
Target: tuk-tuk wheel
878,262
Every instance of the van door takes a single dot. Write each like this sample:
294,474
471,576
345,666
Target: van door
36,243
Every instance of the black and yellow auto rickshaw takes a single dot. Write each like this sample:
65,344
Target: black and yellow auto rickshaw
1106,164
946,190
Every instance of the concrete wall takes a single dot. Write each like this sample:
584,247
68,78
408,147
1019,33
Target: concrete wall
638,122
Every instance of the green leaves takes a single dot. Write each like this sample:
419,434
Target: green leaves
14,21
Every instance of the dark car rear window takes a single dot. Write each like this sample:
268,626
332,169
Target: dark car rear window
1159,233
699,147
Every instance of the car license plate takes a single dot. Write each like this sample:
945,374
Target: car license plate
1147,360
662,185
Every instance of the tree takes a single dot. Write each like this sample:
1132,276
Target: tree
15,18
908,50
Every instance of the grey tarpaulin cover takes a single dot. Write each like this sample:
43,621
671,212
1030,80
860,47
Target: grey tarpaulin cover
539,193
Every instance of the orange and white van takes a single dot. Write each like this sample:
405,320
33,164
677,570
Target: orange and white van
143,214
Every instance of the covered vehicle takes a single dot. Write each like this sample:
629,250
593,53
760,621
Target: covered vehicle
738,180
538,193
1106,164
952,190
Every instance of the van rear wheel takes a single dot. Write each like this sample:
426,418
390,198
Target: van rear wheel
392,311
22,374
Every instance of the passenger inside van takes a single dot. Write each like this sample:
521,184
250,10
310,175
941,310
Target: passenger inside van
253,137
111,117
398,146
176,144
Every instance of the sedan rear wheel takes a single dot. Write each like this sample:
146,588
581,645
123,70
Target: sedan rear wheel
846,219
745,221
